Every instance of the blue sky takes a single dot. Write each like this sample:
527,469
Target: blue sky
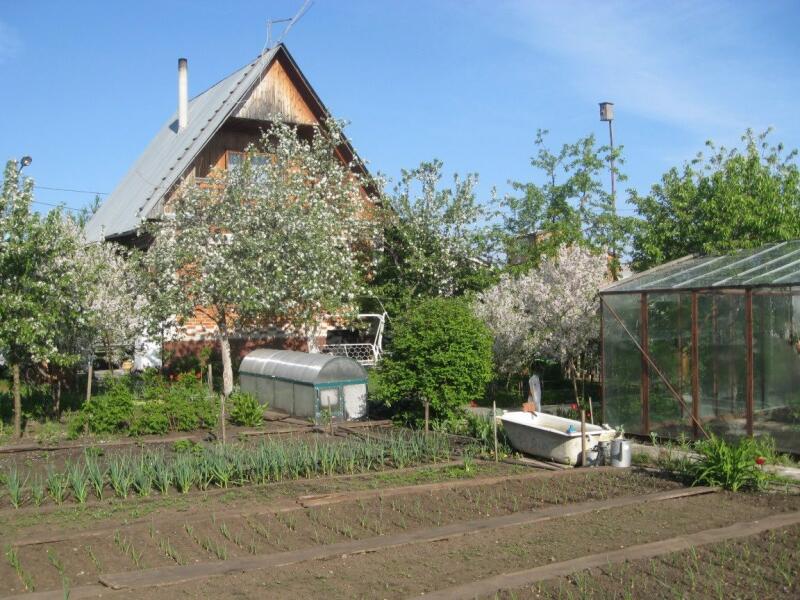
86,84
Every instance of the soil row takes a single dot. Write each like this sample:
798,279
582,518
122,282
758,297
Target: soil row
763,566
183,541
412,570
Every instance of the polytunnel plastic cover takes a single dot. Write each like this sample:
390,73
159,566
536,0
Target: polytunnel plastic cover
301,366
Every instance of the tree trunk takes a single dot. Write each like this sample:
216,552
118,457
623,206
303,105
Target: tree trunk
17,401
573,373
57,398
311,338
227,363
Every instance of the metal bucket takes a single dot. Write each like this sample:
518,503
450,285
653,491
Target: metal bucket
620,453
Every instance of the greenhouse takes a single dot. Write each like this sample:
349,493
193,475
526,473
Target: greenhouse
706,344
315,386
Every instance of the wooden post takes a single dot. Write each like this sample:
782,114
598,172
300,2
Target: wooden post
602,363
222,415
583,437
89,377
645,380
591,411
494,429
695,368
748,340
17,401
210,377
427,413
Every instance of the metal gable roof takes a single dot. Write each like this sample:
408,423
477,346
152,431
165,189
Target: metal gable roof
171,152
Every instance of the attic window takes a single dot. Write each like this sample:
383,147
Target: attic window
235,159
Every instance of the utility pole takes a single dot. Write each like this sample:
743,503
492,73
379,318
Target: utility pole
607,114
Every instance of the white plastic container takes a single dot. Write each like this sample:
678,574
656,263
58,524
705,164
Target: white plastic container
549,437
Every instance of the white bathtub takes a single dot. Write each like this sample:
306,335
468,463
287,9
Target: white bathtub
546,436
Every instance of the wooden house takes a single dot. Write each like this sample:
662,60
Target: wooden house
212,130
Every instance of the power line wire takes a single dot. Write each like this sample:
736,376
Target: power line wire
56,205
55,189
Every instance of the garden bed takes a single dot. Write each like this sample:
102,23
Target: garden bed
210,530
762,566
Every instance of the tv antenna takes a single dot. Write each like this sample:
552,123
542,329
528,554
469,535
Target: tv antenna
270,22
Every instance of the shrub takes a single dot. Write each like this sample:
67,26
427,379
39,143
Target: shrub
244,409
112,410
147,405
189,404
732,466
440,351
149,418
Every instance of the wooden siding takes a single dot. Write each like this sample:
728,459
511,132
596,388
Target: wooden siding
276,93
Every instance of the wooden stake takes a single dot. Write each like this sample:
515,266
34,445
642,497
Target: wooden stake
494,428
427,413
583,438
591,411
89,377
222,415
210,378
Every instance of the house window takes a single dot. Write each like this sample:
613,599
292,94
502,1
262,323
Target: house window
235,159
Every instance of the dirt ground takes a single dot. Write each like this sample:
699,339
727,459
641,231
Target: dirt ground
412,570
760,567
80,543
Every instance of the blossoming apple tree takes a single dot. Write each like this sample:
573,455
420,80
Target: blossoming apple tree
548,313
285,237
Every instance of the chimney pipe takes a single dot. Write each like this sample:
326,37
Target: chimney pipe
183,93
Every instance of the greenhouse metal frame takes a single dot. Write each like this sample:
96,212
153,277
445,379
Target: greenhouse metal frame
706,344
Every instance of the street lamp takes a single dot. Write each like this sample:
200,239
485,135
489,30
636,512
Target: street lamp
24,162
607,114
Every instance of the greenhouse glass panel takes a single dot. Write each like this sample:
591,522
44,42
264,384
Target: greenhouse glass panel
622,363
669,330
723,363
776,354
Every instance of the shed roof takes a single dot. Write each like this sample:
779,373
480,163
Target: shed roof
773,265
301,366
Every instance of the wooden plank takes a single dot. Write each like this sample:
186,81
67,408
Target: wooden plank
263,432
528,577
161,576
536,464
94,590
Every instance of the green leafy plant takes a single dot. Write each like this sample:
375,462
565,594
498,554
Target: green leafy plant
38,492
78,481
15,486
244,409
111,411
95,474
57,485
187,447
732,466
